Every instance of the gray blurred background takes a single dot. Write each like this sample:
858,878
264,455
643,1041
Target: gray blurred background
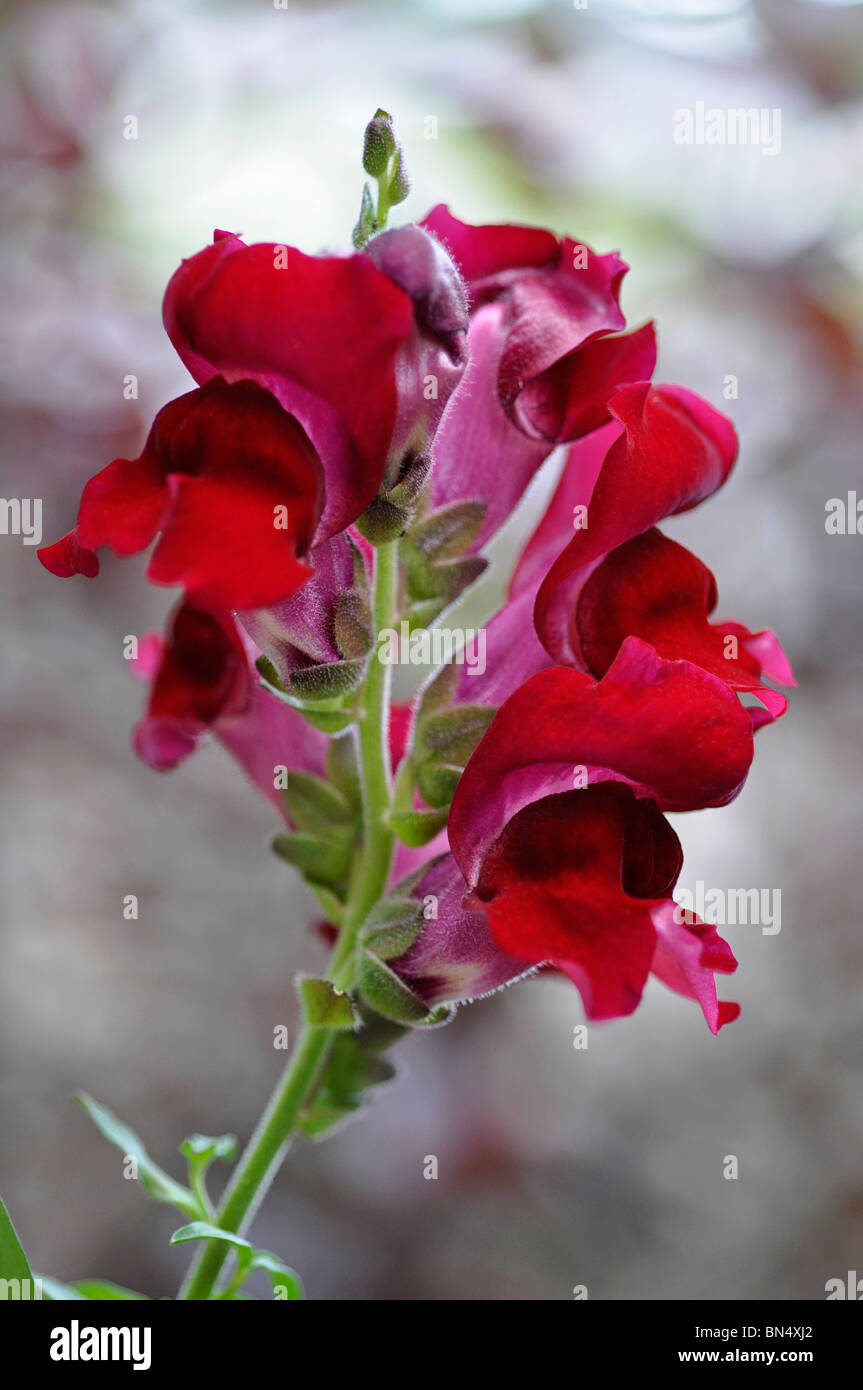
557,1167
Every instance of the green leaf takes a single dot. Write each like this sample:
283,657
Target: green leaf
154,1180
13,1261
417,828
55,1291
330,904
285,1282
204,1230
205,1148
325,1006
102,1291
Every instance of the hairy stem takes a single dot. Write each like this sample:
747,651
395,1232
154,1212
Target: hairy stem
269,1144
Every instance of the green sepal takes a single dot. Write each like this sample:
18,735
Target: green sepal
413,472
366,224
383,521
330,680
315,805
437,782
352,625
324,861
453,734
424,613
394,927
154,1180
328,716
353,1067
447,533
400,184
444,581
325,1006
269,675
387,993
417,828
206,1148
329,721
343,770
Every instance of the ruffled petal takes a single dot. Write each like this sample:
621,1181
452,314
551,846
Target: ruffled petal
675,450
670,730
322,333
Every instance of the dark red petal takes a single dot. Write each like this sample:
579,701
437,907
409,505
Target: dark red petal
202,676
654,589
672,731
570,399
121,507
561,883
555,311
480,252
322,333
245,497
675,450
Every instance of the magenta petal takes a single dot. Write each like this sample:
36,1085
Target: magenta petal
454,956
479,455
300,631
686,957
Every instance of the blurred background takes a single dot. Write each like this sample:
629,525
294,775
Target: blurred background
557,1167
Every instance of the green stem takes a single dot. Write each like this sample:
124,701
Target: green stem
375,776
268,1145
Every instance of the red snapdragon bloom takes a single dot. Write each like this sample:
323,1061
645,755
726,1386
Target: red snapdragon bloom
546,353
230,483
557,825
618,576
311,372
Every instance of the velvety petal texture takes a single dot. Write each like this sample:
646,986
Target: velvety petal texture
546,353
674,450
231,483
670,730
329,336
